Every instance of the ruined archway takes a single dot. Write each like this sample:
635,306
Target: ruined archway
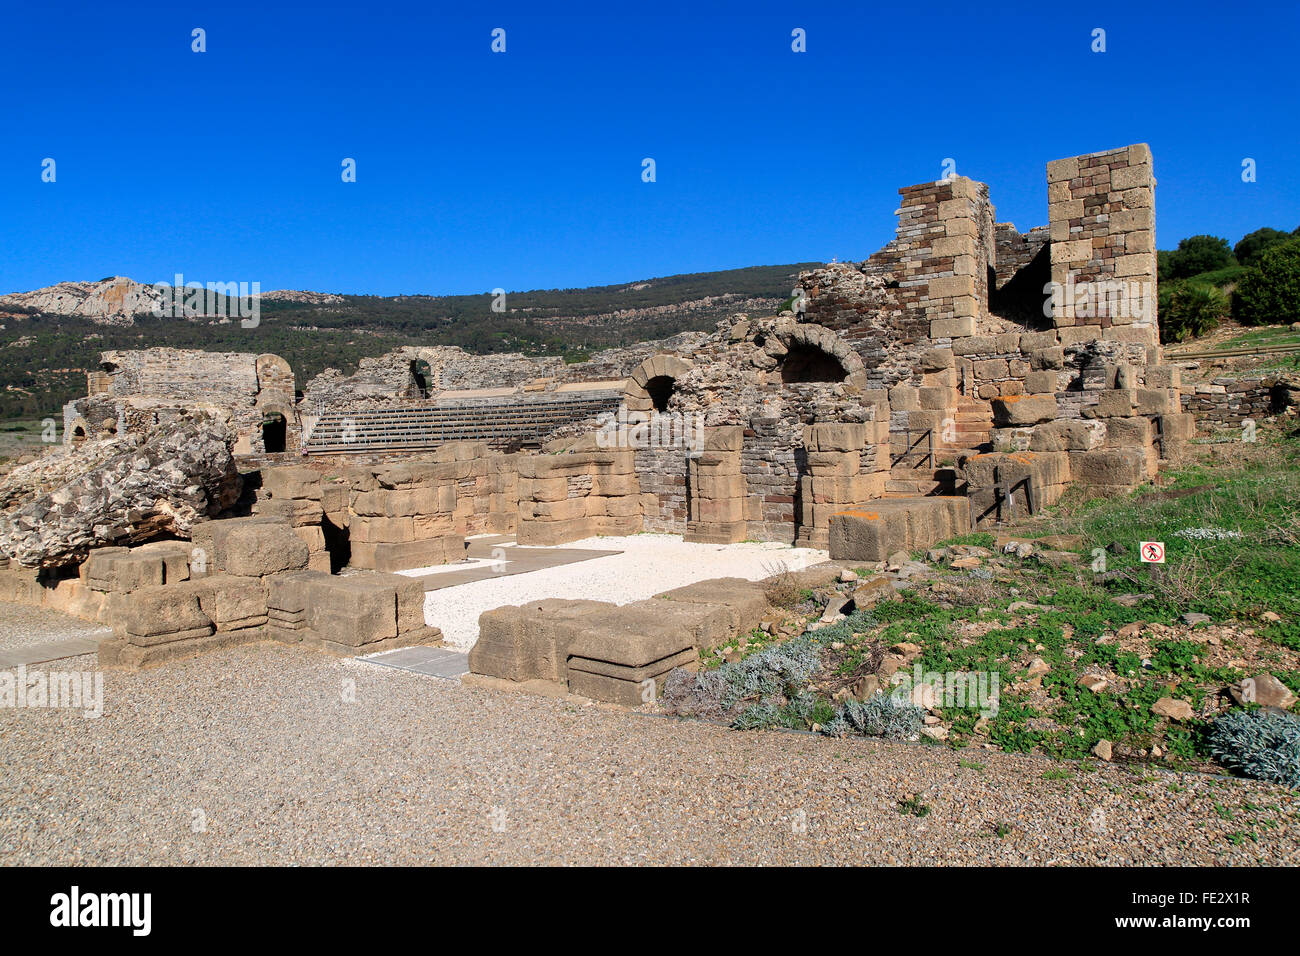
809,353
660,389
807,363
651,386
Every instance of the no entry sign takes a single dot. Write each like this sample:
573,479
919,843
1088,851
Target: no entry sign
1153,552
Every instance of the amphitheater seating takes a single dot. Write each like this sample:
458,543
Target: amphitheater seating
412,427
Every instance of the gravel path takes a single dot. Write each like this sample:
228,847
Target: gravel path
258,745
23,626
649,564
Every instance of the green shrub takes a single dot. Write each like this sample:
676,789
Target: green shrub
877,716
1194,255
1258,744
1189,310
1270,291
1254,244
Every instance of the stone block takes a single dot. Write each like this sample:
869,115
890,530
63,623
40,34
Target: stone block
1115,467
1014,410
1067,435
952,328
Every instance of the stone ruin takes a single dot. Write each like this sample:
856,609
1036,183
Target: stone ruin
965,373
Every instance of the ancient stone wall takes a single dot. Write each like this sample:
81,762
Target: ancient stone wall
1230,401
1102,221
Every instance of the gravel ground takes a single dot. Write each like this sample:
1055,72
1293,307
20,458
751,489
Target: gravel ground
650,564
258,744
23,626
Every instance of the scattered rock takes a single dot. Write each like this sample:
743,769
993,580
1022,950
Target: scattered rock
1103,749
834,610
896,560
847,576
1191,619
1130,630
1263,689
1037,668
1133,600
935,733
1093,682
964,564
1173,709
1057,559
1018,606
1272,617
873,589
936,555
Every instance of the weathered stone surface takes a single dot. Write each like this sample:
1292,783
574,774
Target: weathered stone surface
124,493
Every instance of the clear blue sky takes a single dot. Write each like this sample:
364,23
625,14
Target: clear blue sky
523,170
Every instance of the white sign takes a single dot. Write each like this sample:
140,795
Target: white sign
1153,552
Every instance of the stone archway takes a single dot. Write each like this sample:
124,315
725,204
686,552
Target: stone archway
813,353
651,385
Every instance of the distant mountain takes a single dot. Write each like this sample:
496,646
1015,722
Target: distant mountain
50,337
111,301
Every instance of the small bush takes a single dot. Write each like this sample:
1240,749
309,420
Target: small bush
1190,309
723,693
1258,744
780,587
878,716
1270,292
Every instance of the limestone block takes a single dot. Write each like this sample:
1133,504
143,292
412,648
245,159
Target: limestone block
1129,432
1013,410
952,328
1116,467
1045,382
1067,435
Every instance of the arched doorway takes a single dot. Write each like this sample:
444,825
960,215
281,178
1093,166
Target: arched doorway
274,432
808,363
652,383
660,389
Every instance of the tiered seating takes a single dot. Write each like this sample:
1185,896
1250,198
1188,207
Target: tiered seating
414,427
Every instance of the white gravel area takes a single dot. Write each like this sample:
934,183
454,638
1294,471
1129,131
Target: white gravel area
648,565
22,625
268,754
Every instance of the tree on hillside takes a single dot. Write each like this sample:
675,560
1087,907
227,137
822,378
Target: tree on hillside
1253,244
1194,255
1269,292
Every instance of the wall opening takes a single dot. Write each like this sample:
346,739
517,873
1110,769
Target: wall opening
807,363
420,378
274,429
661,389
78,435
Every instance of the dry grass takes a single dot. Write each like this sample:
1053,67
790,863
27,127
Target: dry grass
780,586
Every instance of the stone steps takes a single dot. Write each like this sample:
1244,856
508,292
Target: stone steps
413,428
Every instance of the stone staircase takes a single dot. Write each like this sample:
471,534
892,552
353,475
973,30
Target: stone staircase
416,427
915,473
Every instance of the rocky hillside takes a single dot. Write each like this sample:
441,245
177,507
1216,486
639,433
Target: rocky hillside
111,301
50,337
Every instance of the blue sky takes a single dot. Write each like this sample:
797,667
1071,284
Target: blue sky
523,170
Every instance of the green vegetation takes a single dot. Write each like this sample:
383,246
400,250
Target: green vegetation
1204,281
1270,291
1232,538
1194,255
